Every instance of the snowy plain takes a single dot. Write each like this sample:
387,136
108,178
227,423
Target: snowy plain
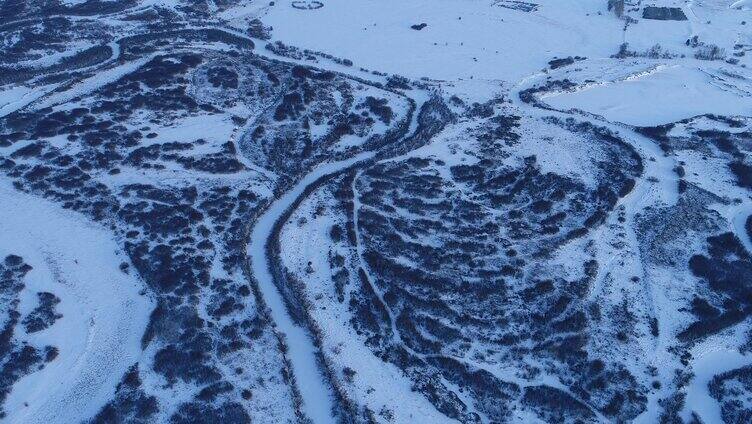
104,311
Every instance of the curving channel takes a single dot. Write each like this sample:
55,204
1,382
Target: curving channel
315,391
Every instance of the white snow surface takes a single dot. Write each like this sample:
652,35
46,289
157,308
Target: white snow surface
104,314
669,93
17,97
377,384
462,39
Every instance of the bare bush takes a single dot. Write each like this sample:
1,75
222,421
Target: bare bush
617,6
710,52
655,52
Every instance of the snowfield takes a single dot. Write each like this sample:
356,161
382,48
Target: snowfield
462,39
104,311
667,94
317,402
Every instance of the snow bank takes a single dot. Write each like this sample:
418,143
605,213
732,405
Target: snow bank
104,316
668,94
17,97
461,39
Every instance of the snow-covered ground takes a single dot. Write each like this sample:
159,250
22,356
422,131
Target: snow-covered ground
104,311
667,94
17,97
378,385
462,39
466,52
710,360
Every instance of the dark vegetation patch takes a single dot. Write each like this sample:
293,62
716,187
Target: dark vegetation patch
130,403
732,390
663,13
726,270
44,314
380,108
530,95
221,77
455,275
554,405
17,357
198,412
743,174
564,61
522,6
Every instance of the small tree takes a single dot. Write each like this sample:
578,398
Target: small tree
710,52
617,6
655,52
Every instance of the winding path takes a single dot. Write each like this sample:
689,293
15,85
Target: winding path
315,390
316,393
